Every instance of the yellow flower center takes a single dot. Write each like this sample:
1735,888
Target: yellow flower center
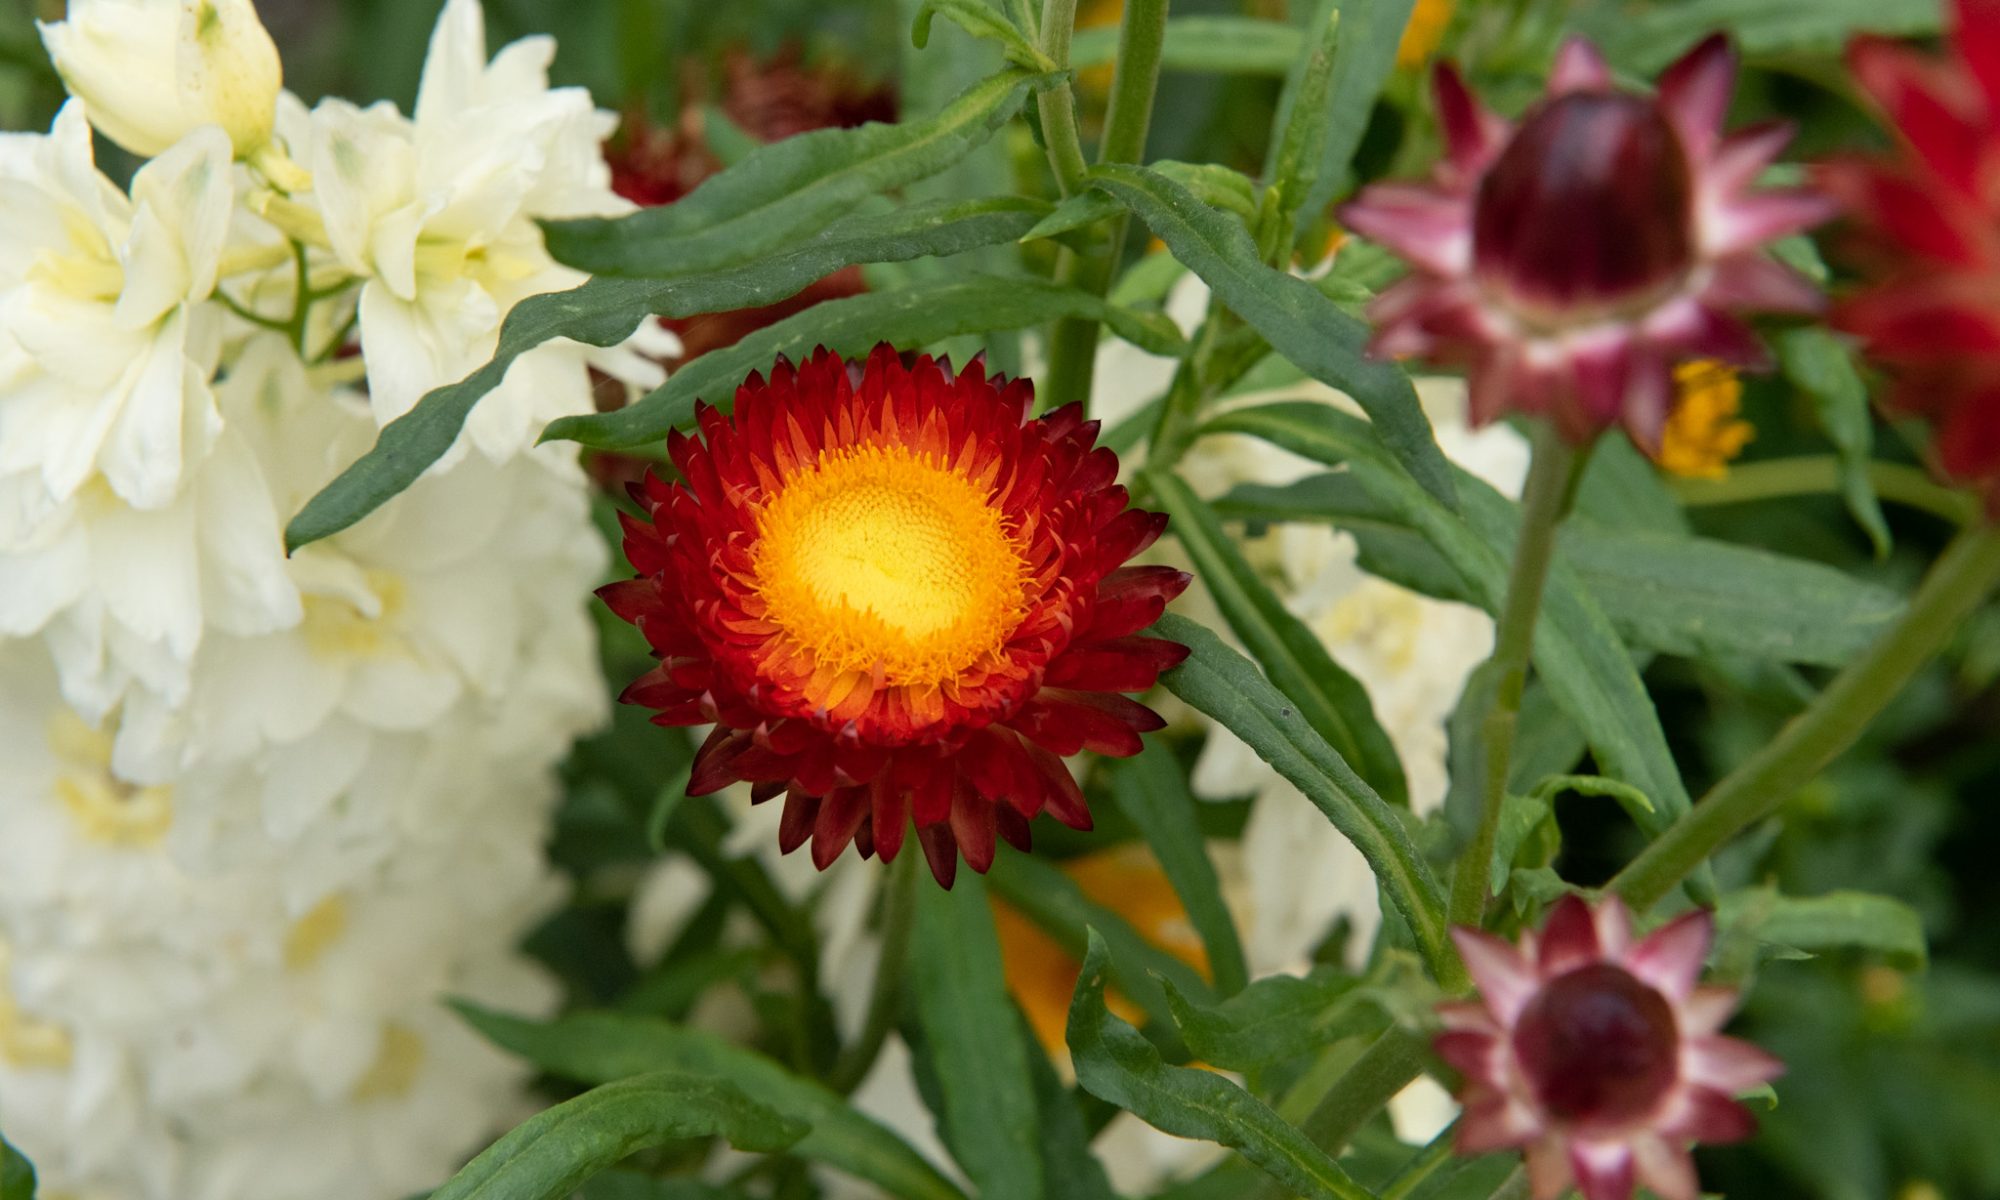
882,560
1702,433
313,934
399,1060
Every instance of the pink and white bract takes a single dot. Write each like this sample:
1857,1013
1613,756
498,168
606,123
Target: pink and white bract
1599,1055
1569,261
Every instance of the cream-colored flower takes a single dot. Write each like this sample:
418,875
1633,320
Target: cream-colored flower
105,346
153,71
437,214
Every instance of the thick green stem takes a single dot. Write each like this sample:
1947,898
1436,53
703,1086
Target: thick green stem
1385,1068
1142,37
1551,480
899,907
1057,105
1958,583
1818,474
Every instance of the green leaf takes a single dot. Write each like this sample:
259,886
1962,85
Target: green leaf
1578,654
1823,369
787,190
547,1156
1697,596
1834,921
603,312
1665,592
1052,900
1212,45
1275,1018
976,1041
1332,701
980,20
1214,184
1289,312
1655,36
1069,1170
1370,31
1298,134
917,315
1223,684
17,1174
630,1185
1152,791
1115,1063
601,1047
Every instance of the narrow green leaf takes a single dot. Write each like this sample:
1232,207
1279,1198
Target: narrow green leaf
913,316
630,1185
976,1041
1649,38
787,190
1275,1018
603,312
1115,1063
17,1174
1370,31
1214,184
1152,791
550,1154
1833,921
980,20
1665,592
1211,45
1298,132
1222,683
1057,906
1332,701
1824,370
601,1047
1578,654
1069,1170
1290,313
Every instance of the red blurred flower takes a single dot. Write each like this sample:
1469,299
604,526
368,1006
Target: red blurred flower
1571,260
899,600
1928,234
1599,1055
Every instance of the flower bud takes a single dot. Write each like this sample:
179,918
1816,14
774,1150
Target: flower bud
149,71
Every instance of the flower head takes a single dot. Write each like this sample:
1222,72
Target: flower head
1928,225
1703,433
151,72
1599,1054
899,600
1569,260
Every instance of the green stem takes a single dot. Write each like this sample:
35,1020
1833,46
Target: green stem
1057,105
1420,1168
899,907
1551,480
1818,474
1961,579
1142,37
1385,1068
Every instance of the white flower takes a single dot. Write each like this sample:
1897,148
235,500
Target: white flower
152,71
437,213
105,350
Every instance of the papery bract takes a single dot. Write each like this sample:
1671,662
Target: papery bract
1927,225
1598,1053
1570,260
899,600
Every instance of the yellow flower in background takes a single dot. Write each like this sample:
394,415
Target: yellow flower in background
1703,433
1042,975
1421,37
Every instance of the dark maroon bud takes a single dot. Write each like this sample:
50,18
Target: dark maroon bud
1599,1046
1587,213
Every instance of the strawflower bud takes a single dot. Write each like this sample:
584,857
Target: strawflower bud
1568,262
150,71
1599,1055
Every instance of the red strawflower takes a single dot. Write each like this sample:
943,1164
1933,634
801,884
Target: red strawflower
1569,261
899,600
1599,1055
1928,226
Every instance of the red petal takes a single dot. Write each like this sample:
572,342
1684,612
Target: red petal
1579,67
890,816
840,815
711,770
1707,1115
1695,92
1670,958
973,825
1127,664
1569,938
940,851
796,823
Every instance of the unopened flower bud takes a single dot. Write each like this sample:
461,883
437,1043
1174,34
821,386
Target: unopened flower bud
149,71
